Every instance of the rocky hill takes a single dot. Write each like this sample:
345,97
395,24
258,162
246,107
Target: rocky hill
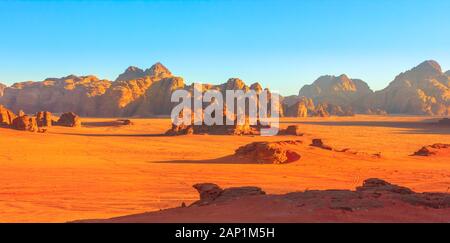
423,90
134,93
339,90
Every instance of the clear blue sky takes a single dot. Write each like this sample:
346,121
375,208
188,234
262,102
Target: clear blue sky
282,44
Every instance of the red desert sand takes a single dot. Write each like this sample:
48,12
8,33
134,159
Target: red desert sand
104,170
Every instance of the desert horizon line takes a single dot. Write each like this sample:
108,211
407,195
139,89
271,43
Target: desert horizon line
432,62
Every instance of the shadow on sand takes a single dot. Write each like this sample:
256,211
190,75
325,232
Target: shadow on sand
112,123
427,126
229,159
115,135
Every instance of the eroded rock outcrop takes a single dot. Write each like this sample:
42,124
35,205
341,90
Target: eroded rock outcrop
25,123
317,142
44,119
6,116
294,130
375,201
435,149
212,193
269,152
305,107
69,119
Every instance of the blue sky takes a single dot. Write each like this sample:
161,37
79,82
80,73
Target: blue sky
282,44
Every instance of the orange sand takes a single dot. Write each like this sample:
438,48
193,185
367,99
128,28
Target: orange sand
102,170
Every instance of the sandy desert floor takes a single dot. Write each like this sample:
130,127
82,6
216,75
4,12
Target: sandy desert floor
101,170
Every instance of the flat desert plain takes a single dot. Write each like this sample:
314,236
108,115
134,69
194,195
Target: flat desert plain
102,170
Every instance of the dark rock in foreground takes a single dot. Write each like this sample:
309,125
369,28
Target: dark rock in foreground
375,201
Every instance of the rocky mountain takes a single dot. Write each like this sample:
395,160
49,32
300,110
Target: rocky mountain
91,96
157,71
134,93
339,90
423,90
78,94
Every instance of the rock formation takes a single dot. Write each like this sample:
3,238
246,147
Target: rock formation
269,152
69,119
423,90
375,201
294,130
2,88
317,142
334,90
304,107
211,193
6,117
299,107
25,123
435,149
130,74
44,119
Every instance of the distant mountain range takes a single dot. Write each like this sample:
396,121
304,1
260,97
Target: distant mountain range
423,90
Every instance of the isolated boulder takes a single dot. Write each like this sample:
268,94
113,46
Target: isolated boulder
269,152
69,119
292,130
44,119
25,123
317,142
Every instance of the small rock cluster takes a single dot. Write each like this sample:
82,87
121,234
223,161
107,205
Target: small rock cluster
38,123
317,142
435,149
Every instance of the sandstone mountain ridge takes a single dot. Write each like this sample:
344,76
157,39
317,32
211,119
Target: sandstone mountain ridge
423,90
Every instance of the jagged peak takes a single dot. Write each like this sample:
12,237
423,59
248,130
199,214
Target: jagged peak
73,76
343,77
429,65
256,86
133,69
425,70
158,70
234,84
